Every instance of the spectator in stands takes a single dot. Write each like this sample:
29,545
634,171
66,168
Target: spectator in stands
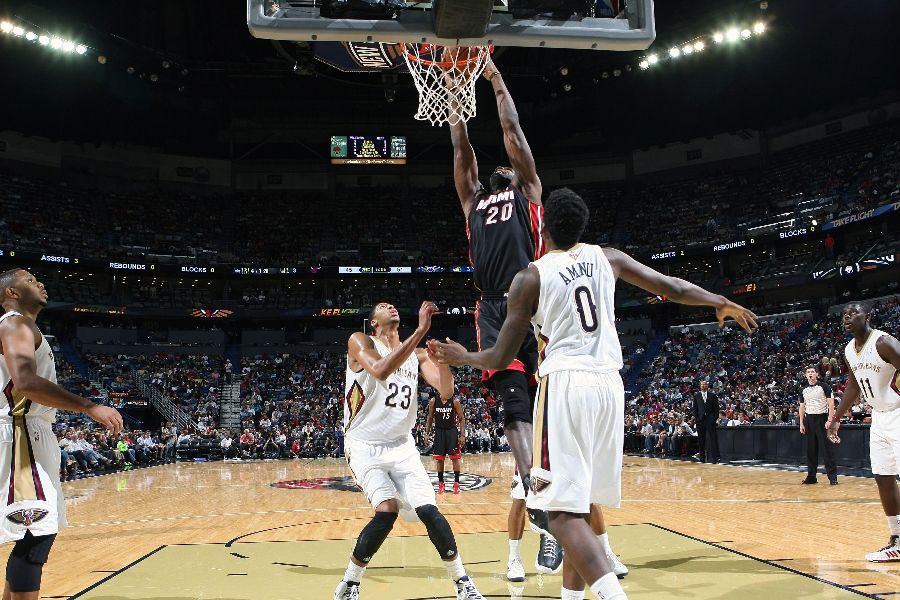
247,443
127,452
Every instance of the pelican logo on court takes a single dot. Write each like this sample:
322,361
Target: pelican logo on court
340,484
27,517
468,482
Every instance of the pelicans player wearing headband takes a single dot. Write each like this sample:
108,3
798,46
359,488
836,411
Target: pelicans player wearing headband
379,414
873,363
567,296
32,507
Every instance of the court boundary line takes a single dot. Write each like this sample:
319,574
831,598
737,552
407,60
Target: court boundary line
225,545
847,588
766,562
116,572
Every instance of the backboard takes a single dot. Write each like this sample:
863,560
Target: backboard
633,28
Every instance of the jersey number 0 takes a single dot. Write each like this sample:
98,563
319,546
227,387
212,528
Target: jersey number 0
587,309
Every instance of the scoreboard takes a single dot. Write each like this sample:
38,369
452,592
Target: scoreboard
368,150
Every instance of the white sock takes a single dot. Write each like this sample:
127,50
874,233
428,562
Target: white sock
608,588
354,572
604,541
894,524
455,568
572,594
513,549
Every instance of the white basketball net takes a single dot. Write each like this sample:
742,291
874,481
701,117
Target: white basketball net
445,77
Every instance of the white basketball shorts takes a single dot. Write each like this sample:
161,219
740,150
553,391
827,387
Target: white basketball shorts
579,429
31,497
884,442
391,471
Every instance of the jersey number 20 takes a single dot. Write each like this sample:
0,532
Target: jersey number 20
407,396
505,213
587,309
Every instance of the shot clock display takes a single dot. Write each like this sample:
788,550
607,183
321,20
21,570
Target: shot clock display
368,150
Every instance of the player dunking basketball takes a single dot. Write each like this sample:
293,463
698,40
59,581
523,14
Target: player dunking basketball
449,422
579,416
31,497
872,358
503,226
379,413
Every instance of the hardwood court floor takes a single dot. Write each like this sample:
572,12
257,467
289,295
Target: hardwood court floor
222,531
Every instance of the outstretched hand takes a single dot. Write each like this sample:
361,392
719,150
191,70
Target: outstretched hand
106,416
450,353
426,311
742,316
431,349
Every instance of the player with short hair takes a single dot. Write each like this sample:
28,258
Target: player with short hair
568,298
449,438
872,359
31,496
380,405
503,226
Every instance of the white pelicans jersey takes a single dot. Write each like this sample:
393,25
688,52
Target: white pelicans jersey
14,404
381,412
575,319
876,377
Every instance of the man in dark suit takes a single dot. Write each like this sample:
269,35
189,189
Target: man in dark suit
706,414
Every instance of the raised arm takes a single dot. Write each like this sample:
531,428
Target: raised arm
517,148
17,341
678,290
465,167
521,305
437,375
362,352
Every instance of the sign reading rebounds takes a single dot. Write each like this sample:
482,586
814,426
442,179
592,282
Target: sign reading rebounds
468,482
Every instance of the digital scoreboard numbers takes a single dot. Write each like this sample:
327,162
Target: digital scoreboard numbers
368,150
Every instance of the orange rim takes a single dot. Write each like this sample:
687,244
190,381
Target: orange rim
446,64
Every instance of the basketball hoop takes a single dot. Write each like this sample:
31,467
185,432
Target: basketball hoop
445,77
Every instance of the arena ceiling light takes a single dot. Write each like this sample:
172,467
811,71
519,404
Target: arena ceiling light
698,44
56,43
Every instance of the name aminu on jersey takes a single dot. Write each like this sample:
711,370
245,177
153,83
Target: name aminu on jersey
507,196
582,269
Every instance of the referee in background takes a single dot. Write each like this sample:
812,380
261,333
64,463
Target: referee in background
816,411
